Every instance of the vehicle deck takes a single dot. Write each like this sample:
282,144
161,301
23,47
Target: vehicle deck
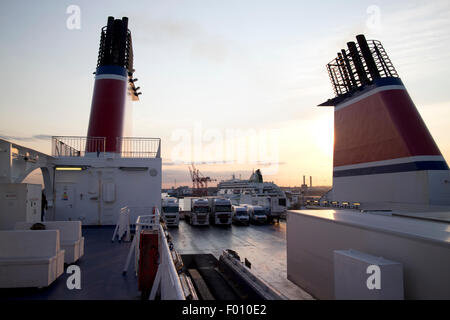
263,245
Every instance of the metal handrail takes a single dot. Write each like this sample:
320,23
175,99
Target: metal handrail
139,147
147,222
128,147
76,146
167,279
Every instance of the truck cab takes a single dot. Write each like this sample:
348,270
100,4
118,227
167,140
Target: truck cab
220,211
199,213
257,214
170,211
240,215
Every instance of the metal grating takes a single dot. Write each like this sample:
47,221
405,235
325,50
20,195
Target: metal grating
77,146
343,71
129,147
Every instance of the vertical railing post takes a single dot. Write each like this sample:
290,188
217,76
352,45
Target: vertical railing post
158,153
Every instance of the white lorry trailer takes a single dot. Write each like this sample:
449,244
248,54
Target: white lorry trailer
170,211
198,213
220,211
184,206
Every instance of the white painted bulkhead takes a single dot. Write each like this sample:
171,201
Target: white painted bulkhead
430,187
422,247
95,194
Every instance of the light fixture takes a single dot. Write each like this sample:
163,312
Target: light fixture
69,168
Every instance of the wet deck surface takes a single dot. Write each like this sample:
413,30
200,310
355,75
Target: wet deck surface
101,273
263,245
103,261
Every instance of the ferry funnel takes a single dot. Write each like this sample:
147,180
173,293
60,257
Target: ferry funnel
114,85
383,151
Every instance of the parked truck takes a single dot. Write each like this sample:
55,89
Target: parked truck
220,211
198,213
170,211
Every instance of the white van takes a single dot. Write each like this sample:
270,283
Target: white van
257,214
240,215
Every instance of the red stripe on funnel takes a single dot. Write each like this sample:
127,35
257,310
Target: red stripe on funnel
383,126
107,112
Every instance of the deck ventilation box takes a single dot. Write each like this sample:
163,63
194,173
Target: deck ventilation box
360,276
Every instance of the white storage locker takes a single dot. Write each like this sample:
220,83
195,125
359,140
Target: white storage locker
19,202
360,276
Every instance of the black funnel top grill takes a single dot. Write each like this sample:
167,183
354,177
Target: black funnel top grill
115,45
359,65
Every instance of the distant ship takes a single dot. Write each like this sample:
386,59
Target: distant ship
256,192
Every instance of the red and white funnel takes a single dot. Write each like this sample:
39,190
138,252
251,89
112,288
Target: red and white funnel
383,151
114,85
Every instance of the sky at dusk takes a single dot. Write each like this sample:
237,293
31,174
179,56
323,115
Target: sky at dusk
229,85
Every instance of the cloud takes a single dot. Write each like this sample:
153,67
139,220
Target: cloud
223,162
183,34
30,138
416,35
42,137
183,176
16,138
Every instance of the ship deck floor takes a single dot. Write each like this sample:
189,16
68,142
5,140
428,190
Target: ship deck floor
101,273
103,261
263,245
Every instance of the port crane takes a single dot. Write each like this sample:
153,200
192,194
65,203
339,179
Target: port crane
199,182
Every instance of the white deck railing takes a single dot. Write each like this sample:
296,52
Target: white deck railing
167,281
147,222
122,147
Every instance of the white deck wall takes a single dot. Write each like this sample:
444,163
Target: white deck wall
422,247
414,187
96,195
